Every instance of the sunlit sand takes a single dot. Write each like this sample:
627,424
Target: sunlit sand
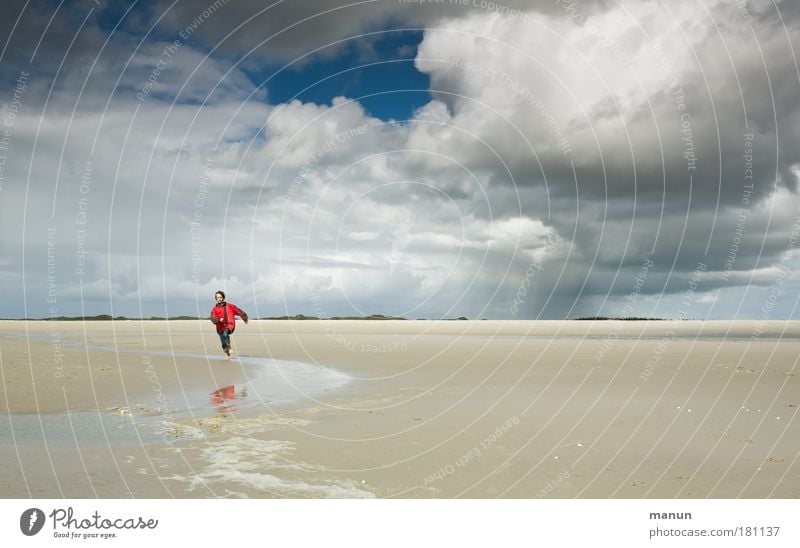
417,409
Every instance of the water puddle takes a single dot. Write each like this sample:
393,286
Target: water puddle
88,428
259,385
211,387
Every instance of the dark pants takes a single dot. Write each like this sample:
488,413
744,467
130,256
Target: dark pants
225,339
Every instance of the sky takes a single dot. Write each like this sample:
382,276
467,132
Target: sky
546,159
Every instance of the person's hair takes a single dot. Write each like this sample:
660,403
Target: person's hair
220,293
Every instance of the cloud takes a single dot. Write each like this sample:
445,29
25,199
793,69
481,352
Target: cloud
644,101
562,151
290,30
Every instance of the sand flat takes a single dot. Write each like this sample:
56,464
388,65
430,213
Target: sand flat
431,409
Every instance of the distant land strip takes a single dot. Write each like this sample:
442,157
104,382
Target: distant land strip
107,317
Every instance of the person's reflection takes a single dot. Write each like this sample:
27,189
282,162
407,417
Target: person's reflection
222,396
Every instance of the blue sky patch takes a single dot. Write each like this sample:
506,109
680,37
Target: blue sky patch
377,70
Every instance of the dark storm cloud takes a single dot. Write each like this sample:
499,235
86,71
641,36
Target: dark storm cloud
293,28
680,139
687,137
40,32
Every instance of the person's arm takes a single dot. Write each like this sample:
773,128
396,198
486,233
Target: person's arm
241,313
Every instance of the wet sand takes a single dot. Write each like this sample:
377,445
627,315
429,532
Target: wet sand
401,409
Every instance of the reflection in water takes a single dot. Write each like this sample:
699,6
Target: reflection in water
270,385
222,396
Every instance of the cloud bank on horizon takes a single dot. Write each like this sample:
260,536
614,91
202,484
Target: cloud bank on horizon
506,160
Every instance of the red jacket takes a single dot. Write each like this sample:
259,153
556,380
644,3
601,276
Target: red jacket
226,311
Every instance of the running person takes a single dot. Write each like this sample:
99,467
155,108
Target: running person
222,316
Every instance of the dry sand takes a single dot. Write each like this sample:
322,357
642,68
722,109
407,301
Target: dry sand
432,409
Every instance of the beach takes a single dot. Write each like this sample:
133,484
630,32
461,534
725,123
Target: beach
408,409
